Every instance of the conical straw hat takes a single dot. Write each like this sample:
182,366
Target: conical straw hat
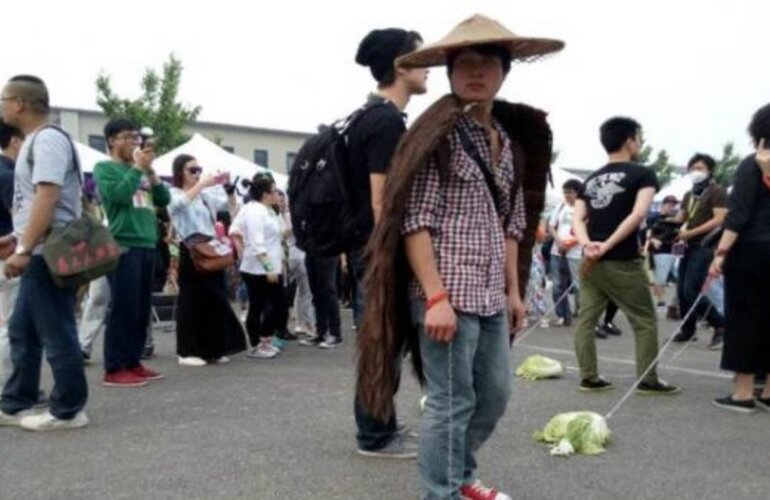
479,30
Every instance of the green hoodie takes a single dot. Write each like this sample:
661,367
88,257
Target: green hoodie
129,202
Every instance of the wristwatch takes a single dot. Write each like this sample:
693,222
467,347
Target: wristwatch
21,250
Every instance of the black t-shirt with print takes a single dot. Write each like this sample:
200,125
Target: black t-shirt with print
372,140
610,195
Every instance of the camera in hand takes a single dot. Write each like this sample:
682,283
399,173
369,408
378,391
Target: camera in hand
147,137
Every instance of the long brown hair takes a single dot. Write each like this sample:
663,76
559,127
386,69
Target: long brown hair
177,169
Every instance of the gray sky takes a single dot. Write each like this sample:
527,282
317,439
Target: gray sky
691,71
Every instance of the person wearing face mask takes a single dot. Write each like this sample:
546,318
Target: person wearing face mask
703,209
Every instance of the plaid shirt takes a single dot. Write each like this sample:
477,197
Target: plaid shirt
457,209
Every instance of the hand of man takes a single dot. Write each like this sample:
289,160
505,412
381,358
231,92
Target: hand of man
15,265
516,312
684,235
441,322
144,158
272,278
715,270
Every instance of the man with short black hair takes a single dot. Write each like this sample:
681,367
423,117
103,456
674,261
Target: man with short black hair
47,194
703,210
372,141
11,139
608,214
130,191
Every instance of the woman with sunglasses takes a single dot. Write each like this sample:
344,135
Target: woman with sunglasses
257,234
207,329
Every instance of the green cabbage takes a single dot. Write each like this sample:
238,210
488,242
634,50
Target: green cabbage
582,432
539,367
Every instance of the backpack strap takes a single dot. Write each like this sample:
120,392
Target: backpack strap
489,177
75,159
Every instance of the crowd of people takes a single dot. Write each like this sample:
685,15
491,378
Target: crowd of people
452,255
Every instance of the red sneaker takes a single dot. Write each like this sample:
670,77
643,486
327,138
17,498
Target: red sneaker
123,378
142,371
477,491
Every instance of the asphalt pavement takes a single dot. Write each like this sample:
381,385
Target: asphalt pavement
284,429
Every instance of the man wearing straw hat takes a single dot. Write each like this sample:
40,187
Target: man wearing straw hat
460,208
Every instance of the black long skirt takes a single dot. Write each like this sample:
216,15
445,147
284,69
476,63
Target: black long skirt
206,325
747,309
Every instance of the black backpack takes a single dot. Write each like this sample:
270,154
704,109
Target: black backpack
323,217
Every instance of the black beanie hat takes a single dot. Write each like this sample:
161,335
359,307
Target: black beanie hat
379,49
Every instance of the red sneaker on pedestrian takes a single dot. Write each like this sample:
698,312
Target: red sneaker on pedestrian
142,371
477,491
123,378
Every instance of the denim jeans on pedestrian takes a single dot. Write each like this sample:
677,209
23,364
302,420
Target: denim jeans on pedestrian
44,320
468,384
564,272
130,307
693,271
322,274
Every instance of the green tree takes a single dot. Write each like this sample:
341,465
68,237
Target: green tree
157,107
724,172
663,168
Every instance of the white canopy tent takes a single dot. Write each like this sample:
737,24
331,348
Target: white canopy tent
89,157
553,194
212,158
676,187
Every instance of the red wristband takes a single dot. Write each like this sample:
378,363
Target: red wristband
439,297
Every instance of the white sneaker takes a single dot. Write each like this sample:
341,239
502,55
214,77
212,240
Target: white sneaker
47,422
191,361
223,360
544,323
15,419
263,351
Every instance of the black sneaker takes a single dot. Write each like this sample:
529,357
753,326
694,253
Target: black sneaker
657,387
611,329
728,403
717,340
685,337
600,333
597,384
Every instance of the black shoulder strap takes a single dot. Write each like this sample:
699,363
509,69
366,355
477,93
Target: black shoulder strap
489,177
344,125
75,159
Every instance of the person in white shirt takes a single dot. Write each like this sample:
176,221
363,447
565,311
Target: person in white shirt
566,253
257,234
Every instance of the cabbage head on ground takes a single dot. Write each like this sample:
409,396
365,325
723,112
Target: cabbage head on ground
581,432
539,367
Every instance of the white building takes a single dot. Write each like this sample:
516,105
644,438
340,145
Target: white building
274,149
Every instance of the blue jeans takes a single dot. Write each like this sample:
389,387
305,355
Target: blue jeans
44,319
693,271
130,308
564,272
468,384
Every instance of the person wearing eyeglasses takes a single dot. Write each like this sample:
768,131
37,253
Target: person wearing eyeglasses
258,238
47,194
207,329
130,191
